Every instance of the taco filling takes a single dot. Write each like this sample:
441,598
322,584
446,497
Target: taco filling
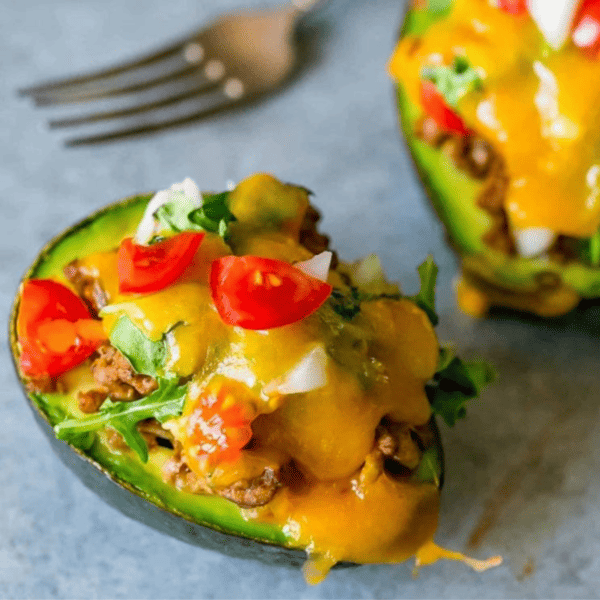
223,343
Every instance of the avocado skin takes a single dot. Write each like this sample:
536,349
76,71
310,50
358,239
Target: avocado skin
129,501
453,195
132,501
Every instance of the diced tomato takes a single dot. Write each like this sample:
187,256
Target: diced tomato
151,268
435,106
262,293
218,426
586,32
513,7
55,329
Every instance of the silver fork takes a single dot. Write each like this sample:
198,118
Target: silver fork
233,61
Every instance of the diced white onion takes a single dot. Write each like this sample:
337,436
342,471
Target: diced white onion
533,241
238,371
189,188
554,19
367,271
317,266
146,228
308,374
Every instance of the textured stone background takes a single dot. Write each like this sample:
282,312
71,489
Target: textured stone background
529,452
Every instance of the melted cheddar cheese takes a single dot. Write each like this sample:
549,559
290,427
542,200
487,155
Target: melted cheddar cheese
337,499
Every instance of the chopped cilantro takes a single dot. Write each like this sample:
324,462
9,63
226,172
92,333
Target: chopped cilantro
454,81
346,305
183,215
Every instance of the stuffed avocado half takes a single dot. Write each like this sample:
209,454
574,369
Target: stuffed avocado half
214,359
499,114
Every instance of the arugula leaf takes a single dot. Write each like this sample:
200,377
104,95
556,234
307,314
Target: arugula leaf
183,215
163,404
425,299
145,356
453,81
454,383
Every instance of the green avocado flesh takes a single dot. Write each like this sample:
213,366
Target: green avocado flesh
454,196
101,232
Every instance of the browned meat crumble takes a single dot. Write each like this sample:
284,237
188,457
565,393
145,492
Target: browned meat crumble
87,286
247,494
116,377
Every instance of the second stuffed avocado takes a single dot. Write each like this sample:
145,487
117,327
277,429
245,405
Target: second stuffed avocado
499,124
204,352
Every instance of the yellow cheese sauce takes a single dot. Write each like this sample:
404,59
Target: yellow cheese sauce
337,500
538,108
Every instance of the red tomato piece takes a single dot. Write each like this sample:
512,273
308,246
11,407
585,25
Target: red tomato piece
218,426
262,293
513,7
55,329
435,106
145,269
586,32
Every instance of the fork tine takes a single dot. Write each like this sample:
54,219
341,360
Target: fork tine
137,109
92,76
223,105
60,96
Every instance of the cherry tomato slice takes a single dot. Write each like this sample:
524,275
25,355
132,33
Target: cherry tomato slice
262,293
513,7
54,328
218,426
586,32
147,269
435,106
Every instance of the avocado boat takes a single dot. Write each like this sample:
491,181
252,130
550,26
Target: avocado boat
501,127
216,378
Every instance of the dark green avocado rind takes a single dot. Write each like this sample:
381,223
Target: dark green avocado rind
137,489
454,198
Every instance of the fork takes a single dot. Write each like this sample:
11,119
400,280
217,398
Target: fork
233,61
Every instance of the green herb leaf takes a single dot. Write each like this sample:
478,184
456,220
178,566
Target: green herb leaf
174,215
430,467
145,356
454,81
456,382
346,305
214,214
589,250
183,215
425,299
163,404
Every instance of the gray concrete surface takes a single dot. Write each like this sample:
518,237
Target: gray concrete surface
528,455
